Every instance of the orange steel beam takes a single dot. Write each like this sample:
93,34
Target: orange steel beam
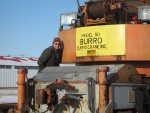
68,37
21,89
137,44
102,81
136,40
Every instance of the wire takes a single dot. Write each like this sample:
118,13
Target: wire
132,5
79,6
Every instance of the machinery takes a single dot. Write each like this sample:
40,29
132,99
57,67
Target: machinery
107,63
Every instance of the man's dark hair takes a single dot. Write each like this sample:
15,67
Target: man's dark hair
57,39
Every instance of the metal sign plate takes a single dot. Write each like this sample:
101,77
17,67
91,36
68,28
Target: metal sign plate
100,40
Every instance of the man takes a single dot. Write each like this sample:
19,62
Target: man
51,56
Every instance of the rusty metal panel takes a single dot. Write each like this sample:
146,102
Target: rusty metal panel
69,39
117,73
138,42
76,73
75,107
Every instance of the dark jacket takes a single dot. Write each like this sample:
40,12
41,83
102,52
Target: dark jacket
49,57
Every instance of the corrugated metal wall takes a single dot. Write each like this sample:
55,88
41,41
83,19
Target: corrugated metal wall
8,77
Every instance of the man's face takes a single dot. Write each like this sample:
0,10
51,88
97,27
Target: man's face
56,45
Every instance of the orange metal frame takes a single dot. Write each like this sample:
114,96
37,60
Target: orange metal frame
137,40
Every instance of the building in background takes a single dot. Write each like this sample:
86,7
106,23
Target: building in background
9,76
9,67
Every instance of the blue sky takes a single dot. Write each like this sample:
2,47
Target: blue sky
27,27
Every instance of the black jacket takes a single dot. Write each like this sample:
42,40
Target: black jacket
49,57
